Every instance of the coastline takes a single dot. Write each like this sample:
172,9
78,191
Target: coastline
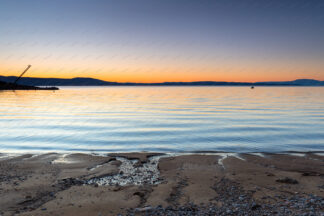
157,183
12,87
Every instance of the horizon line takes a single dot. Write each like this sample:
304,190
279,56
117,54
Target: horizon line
165,81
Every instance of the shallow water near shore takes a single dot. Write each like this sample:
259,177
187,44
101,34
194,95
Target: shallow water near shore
163,119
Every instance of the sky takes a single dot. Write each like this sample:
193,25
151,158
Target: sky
163,40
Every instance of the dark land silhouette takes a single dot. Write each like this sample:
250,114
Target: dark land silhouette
29,81
12,86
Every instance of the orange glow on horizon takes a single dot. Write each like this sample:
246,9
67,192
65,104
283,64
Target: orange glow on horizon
144,72
167,77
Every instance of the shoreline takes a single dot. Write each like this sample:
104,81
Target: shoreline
178,153
147,183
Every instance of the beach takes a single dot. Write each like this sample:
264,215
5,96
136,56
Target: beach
210,183
161,108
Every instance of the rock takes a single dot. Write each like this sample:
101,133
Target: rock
287,180
255,206
310,174
145,209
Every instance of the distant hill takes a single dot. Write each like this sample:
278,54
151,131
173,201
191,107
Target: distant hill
96,82
298,82
56,81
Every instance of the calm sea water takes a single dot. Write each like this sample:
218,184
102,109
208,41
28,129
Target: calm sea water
164,119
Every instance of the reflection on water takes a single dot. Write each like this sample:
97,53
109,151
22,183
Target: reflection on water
106,119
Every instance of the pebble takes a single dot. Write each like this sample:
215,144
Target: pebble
233,205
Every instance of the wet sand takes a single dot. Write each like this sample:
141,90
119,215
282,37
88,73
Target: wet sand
155,184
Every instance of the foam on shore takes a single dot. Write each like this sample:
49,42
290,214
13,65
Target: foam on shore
132,173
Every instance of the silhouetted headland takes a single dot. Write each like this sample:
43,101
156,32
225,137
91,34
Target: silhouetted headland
96,82
11,86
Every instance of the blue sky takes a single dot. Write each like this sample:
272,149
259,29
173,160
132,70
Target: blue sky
164,40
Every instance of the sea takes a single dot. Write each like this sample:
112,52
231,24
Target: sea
162,119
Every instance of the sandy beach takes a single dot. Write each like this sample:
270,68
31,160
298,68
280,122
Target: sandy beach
162,184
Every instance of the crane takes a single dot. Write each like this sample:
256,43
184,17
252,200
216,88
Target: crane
29,66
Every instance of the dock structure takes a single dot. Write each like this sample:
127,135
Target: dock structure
29,66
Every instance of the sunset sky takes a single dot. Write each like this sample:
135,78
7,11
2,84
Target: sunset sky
163,40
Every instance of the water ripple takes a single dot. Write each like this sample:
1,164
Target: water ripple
177,119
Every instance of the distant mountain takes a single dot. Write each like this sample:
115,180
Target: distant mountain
298,82
96,82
